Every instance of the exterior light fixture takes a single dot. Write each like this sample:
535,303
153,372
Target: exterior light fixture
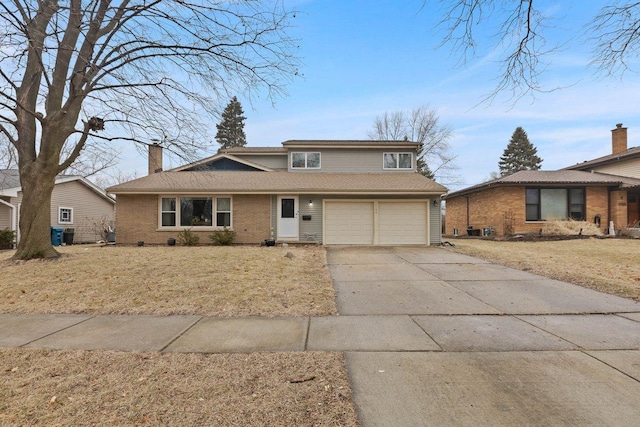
310,202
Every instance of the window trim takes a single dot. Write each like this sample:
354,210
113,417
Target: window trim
60,209
306,160
397,153
567,200
178,203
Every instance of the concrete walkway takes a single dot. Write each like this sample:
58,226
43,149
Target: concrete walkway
431,338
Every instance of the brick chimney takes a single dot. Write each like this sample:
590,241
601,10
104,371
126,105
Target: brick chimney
619,139
155,158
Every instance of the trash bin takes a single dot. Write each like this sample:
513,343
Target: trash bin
67,236
56,236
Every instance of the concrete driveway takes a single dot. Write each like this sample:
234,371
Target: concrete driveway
436,338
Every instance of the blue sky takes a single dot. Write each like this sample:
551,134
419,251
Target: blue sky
362,58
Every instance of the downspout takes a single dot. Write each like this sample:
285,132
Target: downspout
467,198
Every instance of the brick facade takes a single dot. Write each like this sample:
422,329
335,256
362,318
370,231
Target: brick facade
500,207
137,220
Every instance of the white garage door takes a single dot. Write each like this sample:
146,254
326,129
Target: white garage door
354,223
348,223
402,223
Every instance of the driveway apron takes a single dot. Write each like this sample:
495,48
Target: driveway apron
481,344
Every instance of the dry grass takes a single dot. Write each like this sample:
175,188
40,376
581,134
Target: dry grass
607,265
65,388
54,388
571,228
208,281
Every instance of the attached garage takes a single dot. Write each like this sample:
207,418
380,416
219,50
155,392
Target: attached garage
376,222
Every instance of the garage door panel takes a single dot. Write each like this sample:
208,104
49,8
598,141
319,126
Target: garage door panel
349,223
402,223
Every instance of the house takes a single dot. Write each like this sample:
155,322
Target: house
604,191
75,203
328,192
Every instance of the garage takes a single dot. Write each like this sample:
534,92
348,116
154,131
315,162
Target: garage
349,223
376,222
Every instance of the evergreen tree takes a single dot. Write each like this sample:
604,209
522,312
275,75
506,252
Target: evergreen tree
519,155
231,127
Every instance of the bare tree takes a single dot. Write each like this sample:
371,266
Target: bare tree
80,71
422,125
519,40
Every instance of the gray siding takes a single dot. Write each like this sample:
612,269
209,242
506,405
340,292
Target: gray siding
350,161
311,230
89,209
435,223
630,168
272,161
5,216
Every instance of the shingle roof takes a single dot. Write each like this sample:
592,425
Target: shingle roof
280,182
247,150
551,178
9,178
611,158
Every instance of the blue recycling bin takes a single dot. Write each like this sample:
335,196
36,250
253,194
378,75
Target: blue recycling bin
56,236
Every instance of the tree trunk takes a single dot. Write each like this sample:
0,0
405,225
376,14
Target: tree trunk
35,214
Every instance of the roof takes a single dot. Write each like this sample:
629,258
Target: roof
186,182
551,178
10,183
255,150
631,153
350,143
9,178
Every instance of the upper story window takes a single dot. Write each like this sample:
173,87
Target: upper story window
305,160
554,203
398,161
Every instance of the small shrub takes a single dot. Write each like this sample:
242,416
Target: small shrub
6,238
187,238
222,237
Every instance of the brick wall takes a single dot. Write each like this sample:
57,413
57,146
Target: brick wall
137,220
488,208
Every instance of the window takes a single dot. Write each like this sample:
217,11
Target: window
223,212
305,160
398,161
168,211
554,203
65,215
195,211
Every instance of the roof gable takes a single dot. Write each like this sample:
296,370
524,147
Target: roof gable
222,162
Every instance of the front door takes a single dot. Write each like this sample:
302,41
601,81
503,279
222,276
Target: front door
288,217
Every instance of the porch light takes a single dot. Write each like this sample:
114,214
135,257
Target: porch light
310,202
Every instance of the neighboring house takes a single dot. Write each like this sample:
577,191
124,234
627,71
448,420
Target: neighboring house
601,191
329,192
75,203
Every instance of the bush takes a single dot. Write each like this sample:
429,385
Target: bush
187,238
6,238
223,237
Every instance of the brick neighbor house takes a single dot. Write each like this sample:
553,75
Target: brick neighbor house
604,191
329,192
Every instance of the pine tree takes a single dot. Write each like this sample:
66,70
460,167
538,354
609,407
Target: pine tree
519,155
231,127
